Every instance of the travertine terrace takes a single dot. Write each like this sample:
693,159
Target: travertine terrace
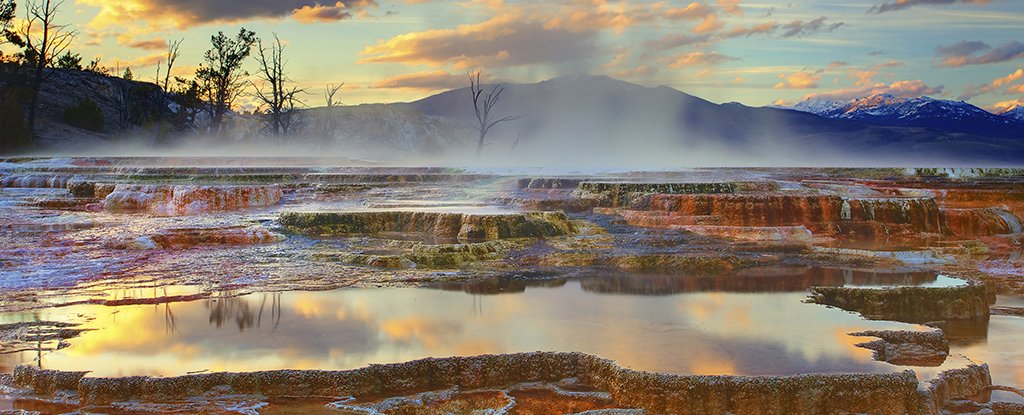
151,286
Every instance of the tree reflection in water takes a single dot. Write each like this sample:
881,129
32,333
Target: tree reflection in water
226,306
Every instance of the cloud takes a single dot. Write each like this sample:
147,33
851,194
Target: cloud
759,29
424,81
317,13
188,13
592,15
899,89
903,4
698,59
837,65
996,84
673,41
508,39
799,80
969,53
692,11
150,44
1003,106
636,72
802,28
710,24
866,76
731,7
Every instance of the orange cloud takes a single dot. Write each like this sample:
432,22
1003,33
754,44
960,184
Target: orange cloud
730,7
698,58
1004,106
424,81
508,39
710,24
973,91
157,14
585,16
799,80
692,11
317,13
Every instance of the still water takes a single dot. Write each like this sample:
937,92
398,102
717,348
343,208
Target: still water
700,325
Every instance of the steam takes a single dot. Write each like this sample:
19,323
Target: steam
576,123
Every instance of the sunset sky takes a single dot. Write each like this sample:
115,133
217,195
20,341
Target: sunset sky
754,52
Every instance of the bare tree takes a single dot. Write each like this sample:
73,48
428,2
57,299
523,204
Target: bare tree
274,90
326,121
45,40
484,109
221,74
329,94
173,51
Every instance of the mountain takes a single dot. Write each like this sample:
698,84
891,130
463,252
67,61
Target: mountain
924,112
600,117
1014,113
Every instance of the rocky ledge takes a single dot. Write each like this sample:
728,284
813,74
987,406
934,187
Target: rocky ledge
461,226
907,348
893,393
912,304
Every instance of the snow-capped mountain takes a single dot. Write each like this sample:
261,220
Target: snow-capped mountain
923,112
1015,113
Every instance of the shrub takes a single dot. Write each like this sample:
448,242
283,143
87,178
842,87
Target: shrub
85,115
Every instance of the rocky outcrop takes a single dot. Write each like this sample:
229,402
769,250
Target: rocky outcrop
786,236
894,393
822,214
913,304
955,383
186,199
907,348
614,194
76,185
461,226
975,222
425,256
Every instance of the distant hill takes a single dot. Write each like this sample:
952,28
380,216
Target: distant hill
924,112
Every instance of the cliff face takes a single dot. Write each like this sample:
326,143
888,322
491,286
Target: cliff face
128,107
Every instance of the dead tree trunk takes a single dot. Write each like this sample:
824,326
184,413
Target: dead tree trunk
483,109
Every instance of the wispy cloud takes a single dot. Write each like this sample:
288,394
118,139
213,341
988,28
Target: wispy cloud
904,4
969,53
996,84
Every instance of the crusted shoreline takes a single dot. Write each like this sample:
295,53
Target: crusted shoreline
890,393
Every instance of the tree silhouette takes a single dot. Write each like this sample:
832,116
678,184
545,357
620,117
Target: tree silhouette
45,40
274,91
484,109
221,74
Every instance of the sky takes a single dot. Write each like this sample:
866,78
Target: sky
753,52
